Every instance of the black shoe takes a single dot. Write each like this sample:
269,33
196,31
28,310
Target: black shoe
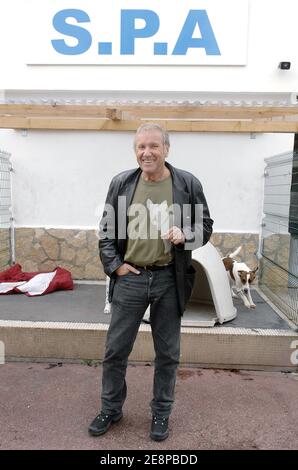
102,422
159,428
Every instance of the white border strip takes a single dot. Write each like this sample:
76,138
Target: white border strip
146,328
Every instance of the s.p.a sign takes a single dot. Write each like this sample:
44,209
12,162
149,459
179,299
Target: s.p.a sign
145,32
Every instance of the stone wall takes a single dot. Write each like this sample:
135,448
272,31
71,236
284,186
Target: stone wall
39,249
5,252
276,247
228,242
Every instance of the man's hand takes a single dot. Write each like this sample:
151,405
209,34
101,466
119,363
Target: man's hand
125,268
175,235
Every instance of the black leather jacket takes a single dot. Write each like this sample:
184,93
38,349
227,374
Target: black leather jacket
112,244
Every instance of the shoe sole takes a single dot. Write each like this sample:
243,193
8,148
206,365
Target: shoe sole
100,433
159,438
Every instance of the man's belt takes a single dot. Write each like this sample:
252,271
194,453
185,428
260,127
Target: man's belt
152,267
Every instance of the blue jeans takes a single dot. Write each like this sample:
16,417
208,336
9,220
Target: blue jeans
132,295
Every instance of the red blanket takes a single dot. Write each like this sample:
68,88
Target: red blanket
14,280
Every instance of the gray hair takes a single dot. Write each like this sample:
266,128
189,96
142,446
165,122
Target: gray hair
154,127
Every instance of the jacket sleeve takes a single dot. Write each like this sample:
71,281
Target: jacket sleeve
199,228
108,247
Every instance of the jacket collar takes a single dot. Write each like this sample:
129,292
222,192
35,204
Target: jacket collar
131,185
180,196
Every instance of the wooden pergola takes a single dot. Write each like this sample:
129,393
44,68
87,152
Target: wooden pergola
176,117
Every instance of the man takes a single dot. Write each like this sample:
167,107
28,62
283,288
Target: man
149,263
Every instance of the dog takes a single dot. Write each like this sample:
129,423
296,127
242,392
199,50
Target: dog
240,277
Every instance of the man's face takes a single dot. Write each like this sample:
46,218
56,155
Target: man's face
150,152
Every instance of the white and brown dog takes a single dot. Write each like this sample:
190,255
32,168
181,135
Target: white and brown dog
240,277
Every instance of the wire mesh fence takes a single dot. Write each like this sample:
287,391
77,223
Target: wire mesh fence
279,242
5,211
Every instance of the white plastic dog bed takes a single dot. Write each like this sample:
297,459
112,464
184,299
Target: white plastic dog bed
211,300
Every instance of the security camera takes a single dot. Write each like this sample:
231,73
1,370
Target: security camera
285,65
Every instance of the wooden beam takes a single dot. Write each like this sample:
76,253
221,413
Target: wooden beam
151,112
114,114
9,122
184,118
212,112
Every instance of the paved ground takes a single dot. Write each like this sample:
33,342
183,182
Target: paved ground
49,406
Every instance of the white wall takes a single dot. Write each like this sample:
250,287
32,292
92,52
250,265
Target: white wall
60,179
273,37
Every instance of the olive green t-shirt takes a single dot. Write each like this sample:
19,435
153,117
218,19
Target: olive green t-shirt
149,219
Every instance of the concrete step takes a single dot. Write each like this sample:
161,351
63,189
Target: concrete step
222,347
70,326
